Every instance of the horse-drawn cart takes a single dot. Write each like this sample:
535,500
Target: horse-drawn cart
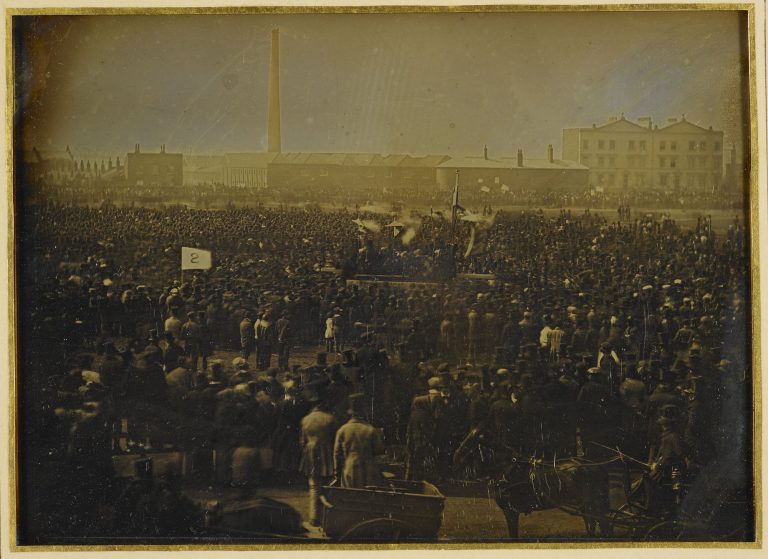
400,511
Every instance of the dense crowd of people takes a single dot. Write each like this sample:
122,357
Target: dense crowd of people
581,333
219,196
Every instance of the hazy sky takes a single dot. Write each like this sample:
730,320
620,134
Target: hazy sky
408,83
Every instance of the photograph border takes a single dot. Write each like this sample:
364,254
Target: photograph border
751,207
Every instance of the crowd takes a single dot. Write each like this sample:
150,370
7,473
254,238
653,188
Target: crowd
591,333
220,196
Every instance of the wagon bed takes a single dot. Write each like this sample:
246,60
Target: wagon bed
400,510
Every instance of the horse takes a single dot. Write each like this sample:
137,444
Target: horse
522,486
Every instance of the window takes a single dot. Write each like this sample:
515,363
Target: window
716,162
691,162
600,161
663,179
717,146
585,144
612,144
672,146
600,178
600,144
702,180
673,162
642,145
610,179
703,146
631,145
662,161
640,179
611,160
585,159
662,146
703,161
691,146
690,180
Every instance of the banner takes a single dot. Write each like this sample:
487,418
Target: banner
195,259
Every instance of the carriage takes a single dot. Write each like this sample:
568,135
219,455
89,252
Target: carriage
400,511
710,507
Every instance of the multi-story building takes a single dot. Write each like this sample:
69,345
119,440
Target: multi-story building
153,169
680,156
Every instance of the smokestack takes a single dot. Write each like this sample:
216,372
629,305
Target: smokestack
485,152
274,143
138,148
519,158
550,153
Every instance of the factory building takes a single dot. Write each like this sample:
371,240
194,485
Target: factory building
514,174
343,170
153,169
680,156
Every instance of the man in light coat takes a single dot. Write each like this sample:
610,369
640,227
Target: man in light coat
318,429
357,445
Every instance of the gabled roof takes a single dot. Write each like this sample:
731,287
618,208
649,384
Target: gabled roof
425,161
684,126
620,125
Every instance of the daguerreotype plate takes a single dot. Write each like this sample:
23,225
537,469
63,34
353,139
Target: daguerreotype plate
358,278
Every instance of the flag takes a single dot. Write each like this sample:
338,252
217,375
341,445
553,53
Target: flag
195,259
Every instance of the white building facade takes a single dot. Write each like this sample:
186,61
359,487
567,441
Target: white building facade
623,155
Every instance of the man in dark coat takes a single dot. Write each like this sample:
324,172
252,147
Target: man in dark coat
191,335
284,331
287,448
247,339
421,446
265,340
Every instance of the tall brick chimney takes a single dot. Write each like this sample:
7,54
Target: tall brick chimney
274,143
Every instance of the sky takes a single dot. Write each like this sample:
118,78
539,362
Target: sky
383,83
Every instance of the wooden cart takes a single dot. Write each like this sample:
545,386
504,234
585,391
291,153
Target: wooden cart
397,511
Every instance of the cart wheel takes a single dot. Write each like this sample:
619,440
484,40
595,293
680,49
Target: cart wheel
669,530
388,529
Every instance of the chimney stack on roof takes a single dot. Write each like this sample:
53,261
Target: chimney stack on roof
137,148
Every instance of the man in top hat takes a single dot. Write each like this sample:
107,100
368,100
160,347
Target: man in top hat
421,445
593,401
318,431
357,445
